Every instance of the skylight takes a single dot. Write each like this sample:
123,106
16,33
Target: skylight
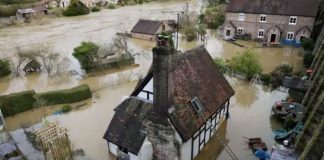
196,104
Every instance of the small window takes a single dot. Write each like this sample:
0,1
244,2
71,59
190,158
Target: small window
293,20
241,17
263,18
290,36
260,33
240,31
196,104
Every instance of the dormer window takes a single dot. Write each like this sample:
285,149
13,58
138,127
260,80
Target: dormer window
196,104
241,17
293,20
263,18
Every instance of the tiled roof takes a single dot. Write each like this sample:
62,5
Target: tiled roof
145,26
195,75
306,8
125,129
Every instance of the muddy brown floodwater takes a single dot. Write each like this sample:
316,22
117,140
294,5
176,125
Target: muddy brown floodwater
250,107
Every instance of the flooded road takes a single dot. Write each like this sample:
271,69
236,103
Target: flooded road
88,120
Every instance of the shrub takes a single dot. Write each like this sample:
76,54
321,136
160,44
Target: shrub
140,1
4,68
17,102
279,73
111,6
66,108
308,59
213,17
246,63
190,34
221,65
76,8
56,12
308,44
95,9
86,53
266,79
6,11
72,95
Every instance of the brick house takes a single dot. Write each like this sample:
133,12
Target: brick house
174,111
148,29
271,21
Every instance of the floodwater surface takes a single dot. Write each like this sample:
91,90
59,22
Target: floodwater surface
87,122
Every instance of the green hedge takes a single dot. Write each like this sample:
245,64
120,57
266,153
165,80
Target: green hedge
17,102
76,8
72,95
4,68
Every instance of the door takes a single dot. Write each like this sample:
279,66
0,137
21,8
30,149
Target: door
301,38
273,38
228,33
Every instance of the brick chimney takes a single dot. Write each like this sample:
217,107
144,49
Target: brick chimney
163,54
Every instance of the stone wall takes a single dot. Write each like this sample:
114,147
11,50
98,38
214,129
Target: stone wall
162,137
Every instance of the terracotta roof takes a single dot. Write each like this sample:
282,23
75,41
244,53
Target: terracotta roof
306,8
196,75
125,127
145,26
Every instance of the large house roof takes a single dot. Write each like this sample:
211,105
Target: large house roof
145,26
306,8
194,74
125,129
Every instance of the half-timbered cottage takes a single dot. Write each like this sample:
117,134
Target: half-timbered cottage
186,99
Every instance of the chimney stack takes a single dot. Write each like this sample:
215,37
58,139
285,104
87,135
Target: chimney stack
163,54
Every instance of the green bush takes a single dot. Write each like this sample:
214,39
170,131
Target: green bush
17,102
308,44
66,108
140,1
266,79
190,34
72,95
86,53
308,59
76,8
279,73
95,9
111,6
56,12
4,68
6,11
213,17
246,63
221,65
17,1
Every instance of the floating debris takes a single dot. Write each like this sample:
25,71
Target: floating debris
286,109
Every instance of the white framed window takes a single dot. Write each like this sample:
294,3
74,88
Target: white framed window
293,20
263,18
239,31
290,36
260,33
241,17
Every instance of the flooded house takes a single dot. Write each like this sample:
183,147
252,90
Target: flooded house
271,21
174,111
30,12
148,29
